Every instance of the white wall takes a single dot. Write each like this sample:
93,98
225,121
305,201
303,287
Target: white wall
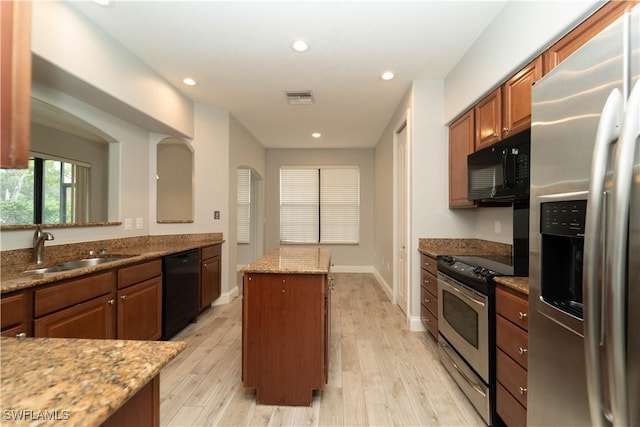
341,255
521,31
127,87
247,152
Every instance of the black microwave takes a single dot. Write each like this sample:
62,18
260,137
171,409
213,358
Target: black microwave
500,172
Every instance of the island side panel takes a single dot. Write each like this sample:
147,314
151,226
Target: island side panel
284,336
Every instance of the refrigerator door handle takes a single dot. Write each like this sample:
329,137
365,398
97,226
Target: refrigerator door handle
607,134
617,239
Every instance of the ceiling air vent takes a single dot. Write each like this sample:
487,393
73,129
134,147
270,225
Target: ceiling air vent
299,97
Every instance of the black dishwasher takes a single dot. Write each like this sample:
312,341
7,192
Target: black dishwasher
180,291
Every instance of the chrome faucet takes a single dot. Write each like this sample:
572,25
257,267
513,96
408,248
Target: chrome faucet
38,243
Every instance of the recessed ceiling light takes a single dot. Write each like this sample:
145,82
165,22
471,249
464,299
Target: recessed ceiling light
387,75
189,81
316,134
300,45
102,2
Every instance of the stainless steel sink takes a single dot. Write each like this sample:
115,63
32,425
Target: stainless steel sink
73,265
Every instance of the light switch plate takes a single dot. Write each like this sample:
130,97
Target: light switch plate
128,223
139,223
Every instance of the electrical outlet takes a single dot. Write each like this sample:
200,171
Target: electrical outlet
139,223
497,226
128,223
216,214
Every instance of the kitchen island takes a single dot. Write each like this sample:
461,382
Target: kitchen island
285,325
81,382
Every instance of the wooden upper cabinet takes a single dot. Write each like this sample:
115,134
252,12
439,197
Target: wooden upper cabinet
516,99
584,32
461,144
15,83
488,119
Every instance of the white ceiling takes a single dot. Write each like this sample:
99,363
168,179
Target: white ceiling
239,53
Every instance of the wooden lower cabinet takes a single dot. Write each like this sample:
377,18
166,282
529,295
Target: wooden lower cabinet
511,356
429,294
141,410
210,275
77,308
15,312
285,336
91,319
140,311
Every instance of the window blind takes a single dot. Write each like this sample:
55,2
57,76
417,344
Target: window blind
319,205
244,205
299,204
339,205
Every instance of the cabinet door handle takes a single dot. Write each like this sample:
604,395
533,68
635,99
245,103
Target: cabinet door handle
427,300
123,297
111,302
522,351
522,390
427,281
205,266
522,315
494,135
505,129
427,264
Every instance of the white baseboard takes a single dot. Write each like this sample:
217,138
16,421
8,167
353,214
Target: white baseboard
227,297
385,286
416,325
351,269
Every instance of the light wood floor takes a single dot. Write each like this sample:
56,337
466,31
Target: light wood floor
381,374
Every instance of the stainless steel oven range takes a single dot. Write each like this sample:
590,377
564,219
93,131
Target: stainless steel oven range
466,325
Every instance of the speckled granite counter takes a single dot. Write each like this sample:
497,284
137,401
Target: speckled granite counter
83,380
435,247
292,261
520,284
16,262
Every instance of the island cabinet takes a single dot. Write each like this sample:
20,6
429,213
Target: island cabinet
285,336
77,308
285,329
15,311
210,275
140,301
511,356
429,294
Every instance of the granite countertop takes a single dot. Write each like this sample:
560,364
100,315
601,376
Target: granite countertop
292,261
83,380
520,284
13,275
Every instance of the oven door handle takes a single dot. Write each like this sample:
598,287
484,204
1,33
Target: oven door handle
469,381
464,295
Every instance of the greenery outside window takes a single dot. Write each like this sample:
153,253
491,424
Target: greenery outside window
50,191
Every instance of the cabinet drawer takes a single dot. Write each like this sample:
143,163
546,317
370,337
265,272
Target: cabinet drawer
430,301
512,376
75,291
510,410
139,273
14,332
512,340
429,264
210,252
12,309
429,320
429,281
513,307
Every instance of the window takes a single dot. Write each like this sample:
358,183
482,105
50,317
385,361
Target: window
320,205
244,205
49,191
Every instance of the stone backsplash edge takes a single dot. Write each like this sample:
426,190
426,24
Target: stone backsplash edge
81,249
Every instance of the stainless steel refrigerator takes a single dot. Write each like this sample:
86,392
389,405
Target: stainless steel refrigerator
584,326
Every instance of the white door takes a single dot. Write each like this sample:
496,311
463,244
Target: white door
401,203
